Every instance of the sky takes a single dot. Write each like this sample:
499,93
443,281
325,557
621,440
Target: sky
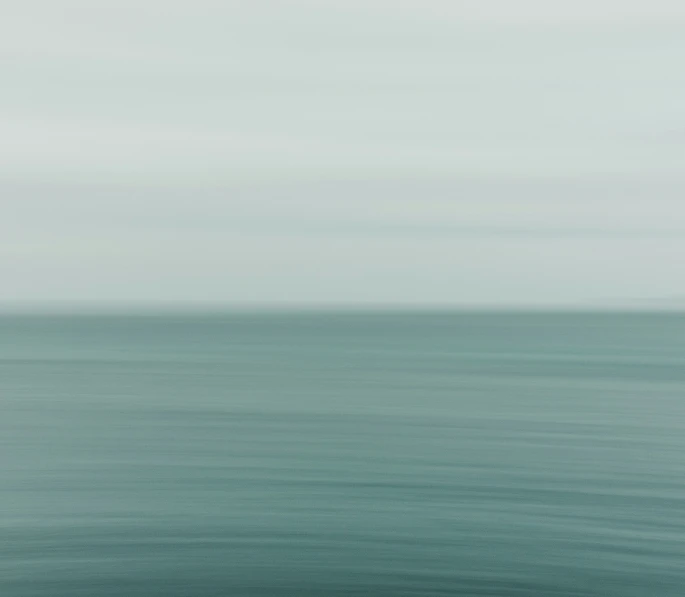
487,153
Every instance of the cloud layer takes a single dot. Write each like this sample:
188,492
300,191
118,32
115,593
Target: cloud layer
395,152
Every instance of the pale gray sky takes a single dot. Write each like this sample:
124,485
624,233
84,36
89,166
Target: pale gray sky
485,152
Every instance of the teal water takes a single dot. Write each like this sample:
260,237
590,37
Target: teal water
323,454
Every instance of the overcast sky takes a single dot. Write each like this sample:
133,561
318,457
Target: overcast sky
484,152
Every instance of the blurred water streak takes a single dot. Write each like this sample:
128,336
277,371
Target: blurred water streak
342,454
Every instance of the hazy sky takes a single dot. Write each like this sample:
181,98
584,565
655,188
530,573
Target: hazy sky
484,152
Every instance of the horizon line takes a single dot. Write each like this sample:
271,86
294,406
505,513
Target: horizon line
227,307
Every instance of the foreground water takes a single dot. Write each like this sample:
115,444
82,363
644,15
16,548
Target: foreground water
342,454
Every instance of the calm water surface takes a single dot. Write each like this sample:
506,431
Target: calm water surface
321,454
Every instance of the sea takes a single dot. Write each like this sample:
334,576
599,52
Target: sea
331,454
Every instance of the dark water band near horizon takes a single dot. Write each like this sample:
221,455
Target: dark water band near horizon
342,454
